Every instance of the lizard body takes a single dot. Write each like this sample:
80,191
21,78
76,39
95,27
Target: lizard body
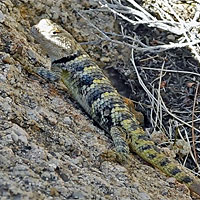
94,92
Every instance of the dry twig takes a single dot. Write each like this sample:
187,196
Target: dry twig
193,134
170,22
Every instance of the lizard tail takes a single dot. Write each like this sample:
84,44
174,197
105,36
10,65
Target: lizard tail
140,143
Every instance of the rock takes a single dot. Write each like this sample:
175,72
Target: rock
2,17
67,120
7,59
2,78
49,147
171,37
77,195
144,196
18,134
15,137
105,59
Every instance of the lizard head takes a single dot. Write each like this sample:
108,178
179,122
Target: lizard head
57,42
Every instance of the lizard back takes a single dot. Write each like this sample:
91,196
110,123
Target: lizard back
95,93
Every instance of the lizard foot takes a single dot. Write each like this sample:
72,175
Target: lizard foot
113,156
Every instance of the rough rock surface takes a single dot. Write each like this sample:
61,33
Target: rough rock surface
49,148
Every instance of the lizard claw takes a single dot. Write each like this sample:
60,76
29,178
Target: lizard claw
113,156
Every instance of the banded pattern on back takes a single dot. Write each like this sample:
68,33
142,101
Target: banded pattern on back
91,88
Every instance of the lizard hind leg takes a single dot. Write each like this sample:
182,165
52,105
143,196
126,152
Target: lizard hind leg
121,153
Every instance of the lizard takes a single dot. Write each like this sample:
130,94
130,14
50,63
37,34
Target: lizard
89,86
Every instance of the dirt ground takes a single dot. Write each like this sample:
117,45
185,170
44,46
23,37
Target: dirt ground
49,147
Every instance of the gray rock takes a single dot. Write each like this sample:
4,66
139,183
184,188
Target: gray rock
2,78
77,195
67,120
2,17
144,196
15,137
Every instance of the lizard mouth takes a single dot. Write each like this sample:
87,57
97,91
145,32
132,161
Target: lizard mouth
67,58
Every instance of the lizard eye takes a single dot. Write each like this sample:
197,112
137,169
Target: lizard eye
56,32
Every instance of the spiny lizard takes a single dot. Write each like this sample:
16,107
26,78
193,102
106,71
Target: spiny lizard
94,92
